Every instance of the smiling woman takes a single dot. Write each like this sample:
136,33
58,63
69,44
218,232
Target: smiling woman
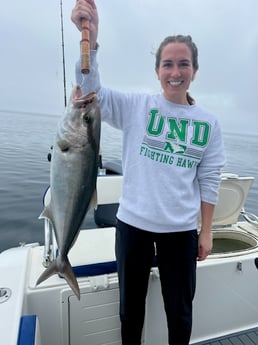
154,211
176,66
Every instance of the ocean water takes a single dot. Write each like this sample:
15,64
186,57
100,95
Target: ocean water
25,141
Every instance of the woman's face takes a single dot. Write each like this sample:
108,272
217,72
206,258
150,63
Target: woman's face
175,72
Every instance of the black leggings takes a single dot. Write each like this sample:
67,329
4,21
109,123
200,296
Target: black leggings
176,255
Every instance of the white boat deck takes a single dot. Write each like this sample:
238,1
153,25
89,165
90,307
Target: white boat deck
225,305
248,337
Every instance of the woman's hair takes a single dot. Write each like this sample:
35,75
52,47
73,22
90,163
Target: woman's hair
193,49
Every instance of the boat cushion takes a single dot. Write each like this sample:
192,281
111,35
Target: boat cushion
100,268
27,330
94,253
95,269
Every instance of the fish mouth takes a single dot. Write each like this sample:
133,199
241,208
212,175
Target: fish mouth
81,101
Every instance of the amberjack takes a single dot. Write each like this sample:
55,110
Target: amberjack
73,174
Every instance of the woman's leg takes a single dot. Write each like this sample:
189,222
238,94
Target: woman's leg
176,254
134,254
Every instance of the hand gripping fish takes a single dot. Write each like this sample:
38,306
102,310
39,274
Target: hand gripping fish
73,174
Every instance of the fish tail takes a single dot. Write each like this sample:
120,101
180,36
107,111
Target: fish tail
62,267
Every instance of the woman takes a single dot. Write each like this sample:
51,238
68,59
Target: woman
172,157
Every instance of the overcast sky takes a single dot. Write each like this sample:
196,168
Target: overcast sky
225,31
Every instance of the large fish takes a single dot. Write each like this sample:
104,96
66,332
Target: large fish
73,174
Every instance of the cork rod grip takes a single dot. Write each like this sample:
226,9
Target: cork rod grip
85,46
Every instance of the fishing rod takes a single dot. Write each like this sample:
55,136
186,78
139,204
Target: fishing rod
85,48
63,51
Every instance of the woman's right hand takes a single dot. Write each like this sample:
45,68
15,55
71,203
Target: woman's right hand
86,9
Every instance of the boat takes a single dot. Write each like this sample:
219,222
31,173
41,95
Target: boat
225,304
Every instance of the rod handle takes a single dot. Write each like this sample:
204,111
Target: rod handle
85,46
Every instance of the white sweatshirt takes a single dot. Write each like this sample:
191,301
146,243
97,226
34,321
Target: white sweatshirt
172,156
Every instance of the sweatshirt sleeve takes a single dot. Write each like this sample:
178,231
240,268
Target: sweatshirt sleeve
89,82
209,169
114,105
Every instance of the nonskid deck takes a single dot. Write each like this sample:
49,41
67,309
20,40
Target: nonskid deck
247,337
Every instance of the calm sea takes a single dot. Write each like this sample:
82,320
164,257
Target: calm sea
25,141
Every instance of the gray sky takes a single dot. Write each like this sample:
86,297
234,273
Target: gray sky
225,31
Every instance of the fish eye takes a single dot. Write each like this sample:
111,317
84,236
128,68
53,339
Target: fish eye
86,118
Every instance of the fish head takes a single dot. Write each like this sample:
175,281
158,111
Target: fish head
82,120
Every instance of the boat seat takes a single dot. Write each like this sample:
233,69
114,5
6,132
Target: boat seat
95,269
109,190
29,331
87,261
100,268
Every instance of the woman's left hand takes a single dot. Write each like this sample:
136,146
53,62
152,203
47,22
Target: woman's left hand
204,244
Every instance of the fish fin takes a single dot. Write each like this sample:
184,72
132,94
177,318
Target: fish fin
46,214
62,267
50,271
94,200
71,280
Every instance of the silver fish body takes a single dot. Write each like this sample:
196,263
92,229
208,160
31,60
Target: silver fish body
73,174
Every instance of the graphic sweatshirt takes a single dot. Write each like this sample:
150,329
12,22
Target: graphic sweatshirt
171,158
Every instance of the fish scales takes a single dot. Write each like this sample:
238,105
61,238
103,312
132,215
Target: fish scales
73,174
